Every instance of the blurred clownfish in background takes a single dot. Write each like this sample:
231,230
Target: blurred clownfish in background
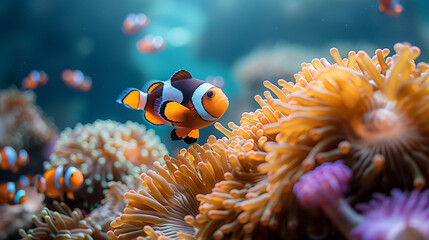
217,81
60,180
76,80
134,23
150,44
12,160
181,101
390,7
11,194
25,181
35,79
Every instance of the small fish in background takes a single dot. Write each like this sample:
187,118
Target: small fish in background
35,79
76,80
134,23
150,44
25,181
12,160
390,7
182,101
11,194
217,81
60,180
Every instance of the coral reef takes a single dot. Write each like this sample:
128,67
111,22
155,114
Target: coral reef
367,111
15,217
398,216
63,224
113,203
106,151
168,203
22,123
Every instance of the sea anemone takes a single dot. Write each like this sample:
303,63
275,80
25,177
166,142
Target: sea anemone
368,112
22,122
113,203
106,151
162,208
399,216
340,111
62,224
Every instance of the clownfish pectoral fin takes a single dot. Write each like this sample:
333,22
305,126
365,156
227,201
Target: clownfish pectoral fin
181,74
179,133
155,120
133,98
70,195
173,111
192,136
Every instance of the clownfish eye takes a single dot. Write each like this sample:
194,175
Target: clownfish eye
210,94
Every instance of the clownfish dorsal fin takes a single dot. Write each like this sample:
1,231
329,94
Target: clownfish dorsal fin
181,74
154,86
173,111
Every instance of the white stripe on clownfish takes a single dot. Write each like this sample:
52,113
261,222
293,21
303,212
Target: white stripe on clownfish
18,195
197,101
10,156
58,175
171,93
11,187
67,176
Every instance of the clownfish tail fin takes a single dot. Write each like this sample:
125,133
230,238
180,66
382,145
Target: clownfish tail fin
132,98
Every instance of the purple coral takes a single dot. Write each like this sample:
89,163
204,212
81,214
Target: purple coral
324,185
401,216
324,188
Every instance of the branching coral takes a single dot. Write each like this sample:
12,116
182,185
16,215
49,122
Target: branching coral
62,224
106,151
22,122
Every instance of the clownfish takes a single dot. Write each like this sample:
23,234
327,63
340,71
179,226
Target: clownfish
35,79
60,180
390,7
150,44
25,181
133,23
12,160
76,80
11,194
181,101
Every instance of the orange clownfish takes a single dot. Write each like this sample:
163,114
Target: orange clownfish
35,79
77,80
11,194
390,7
150,44
181,101
12,160
60,180
134,23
